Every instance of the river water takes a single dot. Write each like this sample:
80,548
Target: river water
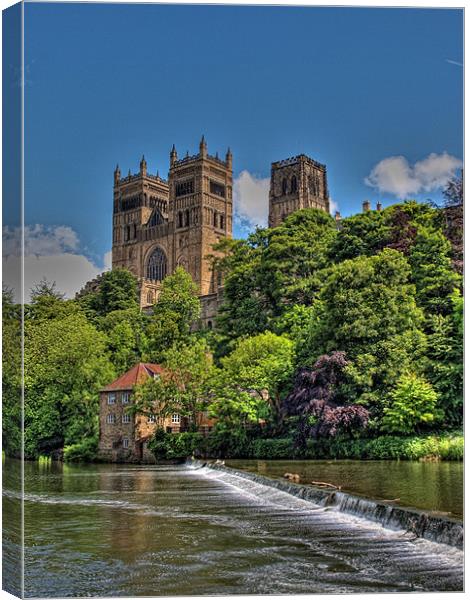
121,530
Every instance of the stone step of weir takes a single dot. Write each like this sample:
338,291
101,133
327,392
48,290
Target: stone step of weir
442,530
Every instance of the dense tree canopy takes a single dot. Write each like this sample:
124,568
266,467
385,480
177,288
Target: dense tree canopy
325,330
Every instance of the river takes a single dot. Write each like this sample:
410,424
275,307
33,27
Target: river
122,530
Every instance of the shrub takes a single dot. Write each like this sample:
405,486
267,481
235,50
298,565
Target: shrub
413,403
274,448
225,443
388,447
170,446
84,451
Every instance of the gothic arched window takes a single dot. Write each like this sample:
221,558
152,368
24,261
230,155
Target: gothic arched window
284,186
180,219
293,184
186,218
157,265
150,297
156,218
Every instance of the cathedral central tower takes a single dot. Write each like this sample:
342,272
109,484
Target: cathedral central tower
296,183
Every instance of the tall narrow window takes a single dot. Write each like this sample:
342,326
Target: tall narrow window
293,184
180,219
186,218
284,186
150,297
111,419
157,265
125,442
126,418
125,397
111,398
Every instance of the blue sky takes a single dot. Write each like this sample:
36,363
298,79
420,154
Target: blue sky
349,87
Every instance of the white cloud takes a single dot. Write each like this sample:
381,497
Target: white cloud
50,253
334,206
395,175
251,200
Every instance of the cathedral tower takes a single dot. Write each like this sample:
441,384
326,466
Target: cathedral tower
159,225
200,208
140,201
296,183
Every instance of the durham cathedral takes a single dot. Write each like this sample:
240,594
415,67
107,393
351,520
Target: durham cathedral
160,224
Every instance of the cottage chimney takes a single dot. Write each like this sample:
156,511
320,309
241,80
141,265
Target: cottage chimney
379,206
365,206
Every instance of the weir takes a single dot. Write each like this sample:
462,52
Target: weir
442,530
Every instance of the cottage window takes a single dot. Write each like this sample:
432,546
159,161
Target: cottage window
151,419
175,418
111,418
111,398
126,418
125,442
125,397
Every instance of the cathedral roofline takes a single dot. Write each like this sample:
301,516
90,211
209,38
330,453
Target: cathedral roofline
296,159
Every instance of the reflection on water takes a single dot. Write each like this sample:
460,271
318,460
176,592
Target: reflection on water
115,530
432,486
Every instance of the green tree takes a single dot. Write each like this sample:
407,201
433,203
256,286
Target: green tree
413,403
364,234
444,366
11,374
175,312
126,339
369,311
65,366
116,290
182,386
157,397
244,310
432,272
253,378
271,271
292,261
191,369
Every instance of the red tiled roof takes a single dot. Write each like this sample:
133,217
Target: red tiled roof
138,374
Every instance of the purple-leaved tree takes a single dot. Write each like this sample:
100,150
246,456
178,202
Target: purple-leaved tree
314,401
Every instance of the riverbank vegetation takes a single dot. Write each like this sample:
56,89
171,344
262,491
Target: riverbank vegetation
332,341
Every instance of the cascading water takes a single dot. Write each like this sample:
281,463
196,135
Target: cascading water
436,529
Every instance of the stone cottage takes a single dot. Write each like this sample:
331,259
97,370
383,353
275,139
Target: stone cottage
123,435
